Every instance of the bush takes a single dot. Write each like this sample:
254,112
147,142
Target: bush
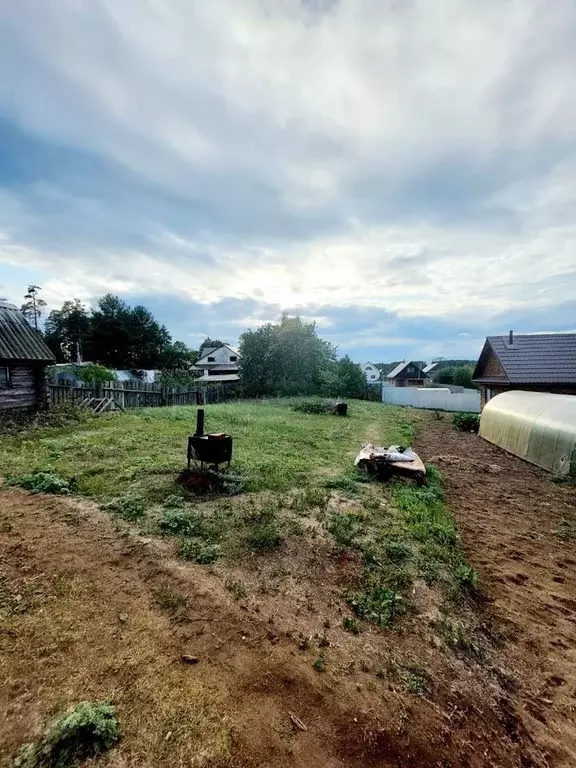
376,603
345,528
265,537
199,552
466,422
310,406
86,731
129,508
43,481
94,374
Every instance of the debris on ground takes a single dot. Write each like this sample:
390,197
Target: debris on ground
384,463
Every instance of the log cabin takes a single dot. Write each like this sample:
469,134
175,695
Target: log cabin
24,356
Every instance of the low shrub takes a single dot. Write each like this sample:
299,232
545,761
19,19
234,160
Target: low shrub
87,730
130,508
198,551
345,528
264,537
467,577
310,406
351,625
43,481
376,603
466,422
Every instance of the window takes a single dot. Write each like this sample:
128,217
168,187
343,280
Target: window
233,358
488,393
211,359
4,377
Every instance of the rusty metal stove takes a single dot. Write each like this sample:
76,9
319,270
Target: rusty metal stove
213,448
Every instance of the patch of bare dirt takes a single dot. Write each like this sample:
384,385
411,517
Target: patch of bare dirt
91,611
509,514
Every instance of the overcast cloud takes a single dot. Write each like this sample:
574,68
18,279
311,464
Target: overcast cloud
402,172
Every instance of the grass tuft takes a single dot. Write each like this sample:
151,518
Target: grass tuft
42,481
88,730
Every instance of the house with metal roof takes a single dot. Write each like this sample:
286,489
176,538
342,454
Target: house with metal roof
540,362
407,374
24,356
218,364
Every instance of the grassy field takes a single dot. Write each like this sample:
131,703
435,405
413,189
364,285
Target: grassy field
298,477
275,448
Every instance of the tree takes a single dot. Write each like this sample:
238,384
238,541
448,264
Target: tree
288,358
122,337
178,356
67,330
95,374
33,307
350,379
463,376
445,376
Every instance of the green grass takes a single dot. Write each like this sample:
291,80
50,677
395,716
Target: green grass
137,453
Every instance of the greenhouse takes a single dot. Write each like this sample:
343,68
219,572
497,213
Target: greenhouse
536,426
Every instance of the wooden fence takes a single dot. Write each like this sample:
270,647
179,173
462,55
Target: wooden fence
137,394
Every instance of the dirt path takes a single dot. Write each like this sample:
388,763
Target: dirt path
509,514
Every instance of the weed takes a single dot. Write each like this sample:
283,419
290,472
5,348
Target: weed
413,677
87,730
198,551
262,538
457,636
466,422
128,507
467,577
177,521
376,603
345,484
566,530
309,498
351,625
397,551
237,588
175,605
320,663
345,528
43,481
310,406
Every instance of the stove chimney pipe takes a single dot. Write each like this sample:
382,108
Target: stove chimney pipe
511,338
200,422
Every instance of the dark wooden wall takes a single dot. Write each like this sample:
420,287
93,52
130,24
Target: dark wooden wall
25,390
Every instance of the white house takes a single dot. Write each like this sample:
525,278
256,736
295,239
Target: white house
371,373
218,364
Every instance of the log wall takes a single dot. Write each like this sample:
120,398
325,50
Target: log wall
25,385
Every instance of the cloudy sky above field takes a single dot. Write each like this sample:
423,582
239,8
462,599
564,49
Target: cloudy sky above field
402,172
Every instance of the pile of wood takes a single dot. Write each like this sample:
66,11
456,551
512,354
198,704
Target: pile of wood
385,463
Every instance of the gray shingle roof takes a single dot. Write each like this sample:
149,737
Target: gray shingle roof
18,341
544,358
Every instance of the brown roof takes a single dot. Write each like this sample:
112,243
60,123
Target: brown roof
541,358
18,341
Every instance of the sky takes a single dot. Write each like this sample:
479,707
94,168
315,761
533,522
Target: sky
403,172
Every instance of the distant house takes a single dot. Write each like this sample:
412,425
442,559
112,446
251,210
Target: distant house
23,360
406,374
218,364
542,362
371,372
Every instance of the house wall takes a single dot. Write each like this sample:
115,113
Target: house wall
221,356
411,376
371,373
26,385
